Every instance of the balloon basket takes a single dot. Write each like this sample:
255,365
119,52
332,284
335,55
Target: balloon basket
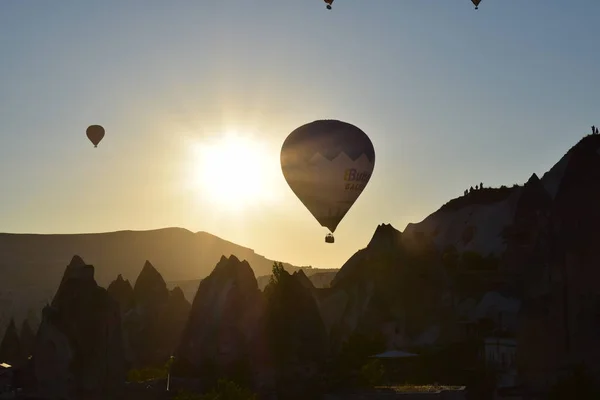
329,238
329,7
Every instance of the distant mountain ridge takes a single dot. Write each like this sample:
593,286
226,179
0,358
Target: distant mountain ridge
179,254
31,265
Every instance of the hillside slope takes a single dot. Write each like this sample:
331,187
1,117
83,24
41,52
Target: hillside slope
31,265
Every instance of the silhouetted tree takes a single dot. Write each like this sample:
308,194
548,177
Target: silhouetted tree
481,186
471,189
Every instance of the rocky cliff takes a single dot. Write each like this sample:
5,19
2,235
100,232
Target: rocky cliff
225,333
10,346
153,317
518,261
122,291
297,336
559,320
395,286
26,339
78,351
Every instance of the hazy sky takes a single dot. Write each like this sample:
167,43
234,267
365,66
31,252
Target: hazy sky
449,96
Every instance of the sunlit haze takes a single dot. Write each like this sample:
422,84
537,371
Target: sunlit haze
197,98
234,172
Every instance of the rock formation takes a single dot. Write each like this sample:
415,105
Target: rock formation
27,339
78,351
157,316
297,336
559,321
122,291
395,286
10,347
225,334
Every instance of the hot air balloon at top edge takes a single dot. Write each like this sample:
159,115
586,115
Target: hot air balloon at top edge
476,3
327,164
95,133
329,2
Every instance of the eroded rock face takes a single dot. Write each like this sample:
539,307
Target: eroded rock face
52,357
154,324
122,291
27,339
10,346
562,295
297,335
177,314
150,290
78,351
225,333
395,287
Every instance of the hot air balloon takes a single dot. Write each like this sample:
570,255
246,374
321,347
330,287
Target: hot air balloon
327,164
476,3
329,2
95,133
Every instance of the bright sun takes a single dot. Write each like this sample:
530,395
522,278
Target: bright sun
233,171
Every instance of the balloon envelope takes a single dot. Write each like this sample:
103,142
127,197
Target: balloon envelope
327,164
95,133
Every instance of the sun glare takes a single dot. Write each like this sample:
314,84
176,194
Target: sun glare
233,172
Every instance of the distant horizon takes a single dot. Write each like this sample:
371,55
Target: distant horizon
167,228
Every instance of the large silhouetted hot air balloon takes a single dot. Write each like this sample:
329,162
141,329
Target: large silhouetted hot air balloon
95,133
476,3
329,2
327,164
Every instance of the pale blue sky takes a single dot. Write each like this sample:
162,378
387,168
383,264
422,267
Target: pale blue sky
450,97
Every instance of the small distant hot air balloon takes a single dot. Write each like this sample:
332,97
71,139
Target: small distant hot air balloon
95,133
476,3
327,164
329,2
